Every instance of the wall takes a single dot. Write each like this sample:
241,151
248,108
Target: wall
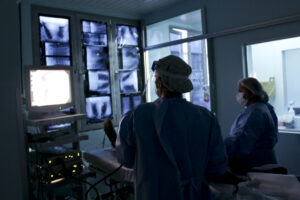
226,53
13,169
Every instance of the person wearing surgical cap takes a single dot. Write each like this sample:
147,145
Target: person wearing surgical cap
254,132
174,146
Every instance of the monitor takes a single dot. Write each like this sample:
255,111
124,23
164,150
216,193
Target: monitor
48,89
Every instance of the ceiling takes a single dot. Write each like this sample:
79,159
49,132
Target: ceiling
125,8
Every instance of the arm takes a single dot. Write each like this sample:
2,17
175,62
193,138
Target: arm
242,142
217,160
126,144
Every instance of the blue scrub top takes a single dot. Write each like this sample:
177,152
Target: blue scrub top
174,147
253,136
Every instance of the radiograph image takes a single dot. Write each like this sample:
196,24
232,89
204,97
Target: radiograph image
99,81
54,61
96,57
127,35
98,108
130,58
129,82
54,29
130,102
94,33
57,49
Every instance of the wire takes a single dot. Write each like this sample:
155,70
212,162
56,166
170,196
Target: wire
83,181
105,177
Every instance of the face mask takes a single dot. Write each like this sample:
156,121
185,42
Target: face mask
240,99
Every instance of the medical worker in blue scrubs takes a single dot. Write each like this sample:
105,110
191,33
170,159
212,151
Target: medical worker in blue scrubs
254,132
174,146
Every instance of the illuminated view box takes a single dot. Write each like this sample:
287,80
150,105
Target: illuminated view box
48,89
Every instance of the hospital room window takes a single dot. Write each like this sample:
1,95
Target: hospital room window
193,52
276,65
54,41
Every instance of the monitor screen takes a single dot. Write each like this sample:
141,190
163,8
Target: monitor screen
49,89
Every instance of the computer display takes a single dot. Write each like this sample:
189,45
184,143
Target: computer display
48,89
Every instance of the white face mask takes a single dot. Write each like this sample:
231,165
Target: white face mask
240,99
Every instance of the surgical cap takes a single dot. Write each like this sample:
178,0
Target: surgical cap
174,73
255,88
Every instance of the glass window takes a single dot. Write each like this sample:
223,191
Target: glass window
54,41
193,53
276,65
159,32
97,82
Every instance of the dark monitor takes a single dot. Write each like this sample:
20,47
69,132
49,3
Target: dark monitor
48,89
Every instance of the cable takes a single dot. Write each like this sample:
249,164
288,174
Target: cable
105,177
83,181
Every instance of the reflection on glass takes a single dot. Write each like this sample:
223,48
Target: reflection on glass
130,58
96,57
127,35
129,82
98,108
53,61
159,32
53,29
57,49
99,81
130,102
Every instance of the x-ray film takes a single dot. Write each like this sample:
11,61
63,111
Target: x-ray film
57,49
95,39
96,57
127,35
99,81
98,108
129,82
130,102
93,27
130,58
53,61
54,29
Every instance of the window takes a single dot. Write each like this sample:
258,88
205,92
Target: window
194,53
108,71
276,65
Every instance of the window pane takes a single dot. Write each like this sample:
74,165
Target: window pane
159,32
129,82
276,65
96,57
127,35
99,81
193,54
54,41
98,108
130,102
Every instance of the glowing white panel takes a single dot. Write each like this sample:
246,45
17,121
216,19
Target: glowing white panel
50,87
